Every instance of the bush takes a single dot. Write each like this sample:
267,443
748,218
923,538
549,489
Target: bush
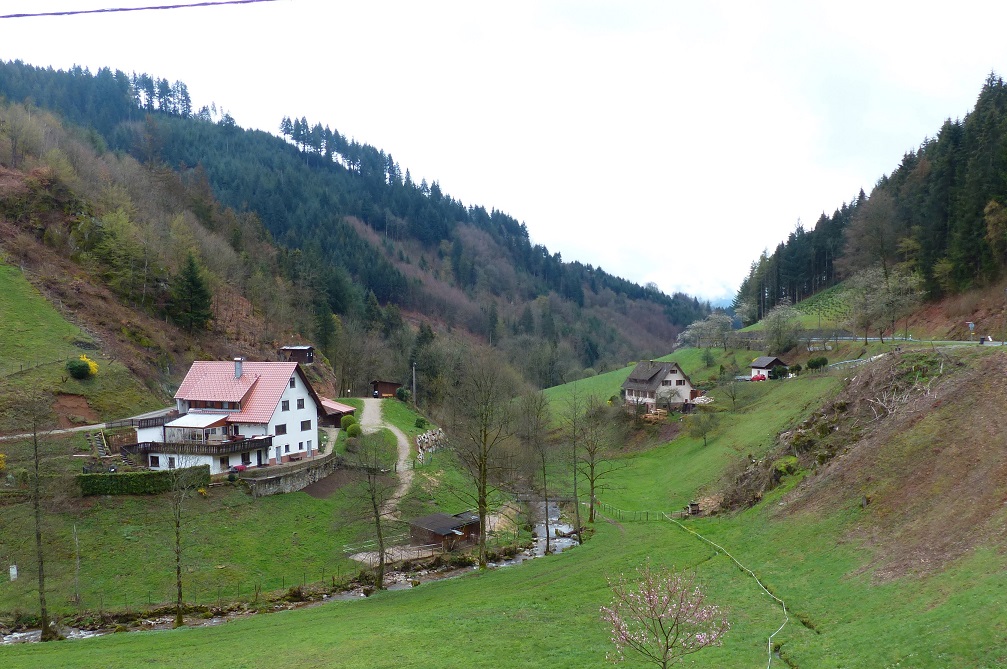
354,430
139,483
78,369
818,363
3,463
796,369
346,421
402,394
421,423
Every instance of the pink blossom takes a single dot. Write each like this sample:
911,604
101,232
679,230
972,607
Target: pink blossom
663,617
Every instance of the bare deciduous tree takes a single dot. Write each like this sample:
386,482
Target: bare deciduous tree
373,492
30,412
532,431
480,424
596,443
184,478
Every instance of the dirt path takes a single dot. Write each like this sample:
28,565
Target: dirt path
371,421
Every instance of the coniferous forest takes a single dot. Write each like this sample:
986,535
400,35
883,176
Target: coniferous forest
939,217
340,226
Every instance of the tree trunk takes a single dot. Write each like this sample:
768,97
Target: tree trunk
48,633
179,604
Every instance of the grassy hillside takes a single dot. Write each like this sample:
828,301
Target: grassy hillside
849,572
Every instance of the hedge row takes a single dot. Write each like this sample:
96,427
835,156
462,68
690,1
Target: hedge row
142,483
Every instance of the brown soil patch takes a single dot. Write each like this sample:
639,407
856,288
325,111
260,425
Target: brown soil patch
326,487
73,411
933,474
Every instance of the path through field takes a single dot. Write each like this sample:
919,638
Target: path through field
371,421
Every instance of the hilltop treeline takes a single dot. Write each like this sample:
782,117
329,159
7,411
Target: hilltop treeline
940,214
355,233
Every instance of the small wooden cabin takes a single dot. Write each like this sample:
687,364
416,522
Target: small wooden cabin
302,354
384,388
448,531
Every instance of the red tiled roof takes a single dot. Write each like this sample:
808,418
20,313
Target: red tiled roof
259,388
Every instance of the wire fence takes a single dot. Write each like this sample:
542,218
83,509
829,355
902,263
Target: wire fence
19,367
674,517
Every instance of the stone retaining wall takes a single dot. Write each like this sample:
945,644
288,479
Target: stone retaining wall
294,477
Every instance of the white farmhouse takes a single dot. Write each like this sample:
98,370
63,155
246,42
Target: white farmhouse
235,413
657,383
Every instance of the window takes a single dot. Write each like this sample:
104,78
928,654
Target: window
300,403
305,425
281,429
680,382
292,383
285,405
666,382
300,445
286,448
225,462
155,461
171,462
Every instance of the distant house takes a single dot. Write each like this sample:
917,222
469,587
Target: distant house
302,354
445,530
235,413
384,388
764,365
658,384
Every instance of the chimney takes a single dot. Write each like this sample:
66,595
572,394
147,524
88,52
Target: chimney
237,367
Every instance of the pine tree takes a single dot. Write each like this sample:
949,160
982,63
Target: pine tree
191,297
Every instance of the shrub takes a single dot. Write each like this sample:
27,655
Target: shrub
3,463
78,369
354,431
403,394
796,369
346,421
422,423
138,483
818,363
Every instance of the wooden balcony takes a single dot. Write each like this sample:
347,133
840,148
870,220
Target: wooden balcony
199,447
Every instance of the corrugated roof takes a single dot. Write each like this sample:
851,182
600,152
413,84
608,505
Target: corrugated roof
261,385
332,406
442,523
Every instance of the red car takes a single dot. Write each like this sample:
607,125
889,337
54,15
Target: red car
759,377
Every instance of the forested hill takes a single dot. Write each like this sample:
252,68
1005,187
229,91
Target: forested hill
358,234
939,220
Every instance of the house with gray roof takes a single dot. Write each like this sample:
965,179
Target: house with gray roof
658,384
764,365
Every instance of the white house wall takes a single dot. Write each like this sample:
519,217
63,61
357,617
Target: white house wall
296,442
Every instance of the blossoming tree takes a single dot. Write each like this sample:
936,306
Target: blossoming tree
662,617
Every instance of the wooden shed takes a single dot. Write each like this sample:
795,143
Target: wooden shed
302,354
384,388
448,531
333,412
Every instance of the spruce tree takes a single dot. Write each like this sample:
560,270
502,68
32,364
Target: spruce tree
190,297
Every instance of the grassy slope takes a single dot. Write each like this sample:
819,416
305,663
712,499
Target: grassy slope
545,613
33,331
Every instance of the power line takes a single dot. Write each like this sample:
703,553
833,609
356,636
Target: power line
113,10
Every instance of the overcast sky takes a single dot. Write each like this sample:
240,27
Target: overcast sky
662,141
